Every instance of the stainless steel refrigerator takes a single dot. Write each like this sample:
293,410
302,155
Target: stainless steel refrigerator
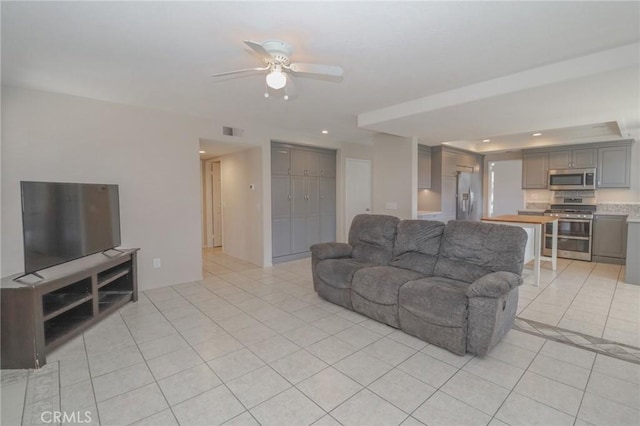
467,191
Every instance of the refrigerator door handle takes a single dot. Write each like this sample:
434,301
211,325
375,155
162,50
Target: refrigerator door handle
471,201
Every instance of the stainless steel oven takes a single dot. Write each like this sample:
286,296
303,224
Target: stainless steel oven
575,231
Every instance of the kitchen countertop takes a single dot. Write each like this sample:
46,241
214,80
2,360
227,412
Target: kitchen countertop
427,213
520,219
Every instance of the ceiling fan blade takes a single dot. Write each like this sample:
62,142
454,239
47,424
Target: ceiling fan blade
261,51
220,74
331,70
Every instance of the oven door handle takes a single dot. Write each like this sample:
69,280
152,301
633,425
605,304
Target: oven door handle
565,237
575,220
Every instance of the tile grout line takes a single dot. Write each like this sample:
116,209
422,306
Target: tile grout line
585,389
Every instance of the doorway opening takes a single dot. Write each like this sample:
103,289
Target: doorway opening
506,195
212,204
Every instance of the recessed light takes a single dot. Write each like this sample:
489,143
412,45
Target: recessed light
324,132
486,140
202,152
537,134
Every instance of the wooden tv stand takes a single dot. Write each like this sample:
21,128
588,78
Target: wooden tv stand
39,315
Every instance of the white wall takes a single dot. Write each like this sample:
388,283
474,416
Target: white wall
395,175
151,155
242,207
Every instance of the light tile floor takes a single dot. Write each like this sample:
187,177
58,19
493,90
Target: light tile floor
249,345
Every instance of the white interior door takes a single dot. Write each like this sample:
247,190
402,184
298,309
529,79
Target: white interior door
358,189
216,203
505,190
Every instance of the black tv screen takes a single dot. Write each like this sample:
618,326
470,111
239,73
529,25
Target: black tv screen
66,221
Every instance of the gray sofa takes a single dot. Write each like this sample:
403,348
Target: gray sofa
453,285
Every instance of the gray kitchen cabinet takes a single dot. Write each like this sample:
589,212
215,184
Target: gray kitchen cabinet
424,168
632,270
573,159
535,168
584,158
303,204
609,243
614,167
453,162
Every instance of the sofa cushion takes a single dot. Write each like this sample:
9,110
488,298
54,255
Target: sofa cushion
338,273
470,250
437,300
434,309
372,237
380,284
417,244
374,292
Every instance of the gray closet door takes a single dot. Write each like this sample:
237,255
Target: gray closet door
327,163
280,216
327,196
298,215
303,199
298,162
312,193
280,160
312,160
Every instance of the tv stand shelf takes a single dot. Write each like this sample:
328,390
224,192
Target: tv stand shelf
39,316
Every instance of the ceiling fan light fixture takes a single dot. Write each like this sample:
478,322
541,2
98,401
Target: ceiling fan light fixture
276,79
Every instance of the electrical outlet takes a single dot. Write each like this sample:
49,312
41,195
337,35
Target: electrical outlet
156,262
392,205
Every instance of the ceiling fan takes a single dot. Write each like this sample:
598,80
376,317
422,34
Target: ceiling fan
275,55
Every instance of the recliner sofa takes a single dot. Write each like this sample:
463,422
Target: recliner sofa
453,285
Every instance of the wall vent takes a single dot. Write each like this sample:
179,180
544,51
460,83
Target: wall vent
231,131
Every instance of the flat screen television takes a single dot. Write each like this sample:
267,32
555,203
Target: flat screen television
66,221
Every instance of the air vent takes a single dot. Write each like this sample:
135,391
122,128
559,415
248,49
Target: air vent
231,131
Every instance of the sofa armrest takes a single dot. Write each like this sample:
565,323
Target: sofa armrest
331,250
495,284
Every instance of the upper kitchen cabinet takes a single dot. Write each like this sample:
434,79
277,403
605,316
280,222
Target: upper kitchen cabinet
573,159
535,168
424,167
612,161
614,167
455,161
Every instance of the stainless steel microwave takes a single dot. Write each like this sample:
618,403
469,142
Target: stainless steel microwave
572,179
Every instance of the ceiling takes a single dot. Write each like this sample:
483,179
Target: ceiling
456,72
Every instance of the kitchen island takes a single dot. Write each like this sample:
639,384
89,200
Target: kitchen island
536,223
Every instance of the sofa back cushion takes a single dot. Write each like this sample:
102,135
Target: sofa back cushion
469,250
417,245
372,237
